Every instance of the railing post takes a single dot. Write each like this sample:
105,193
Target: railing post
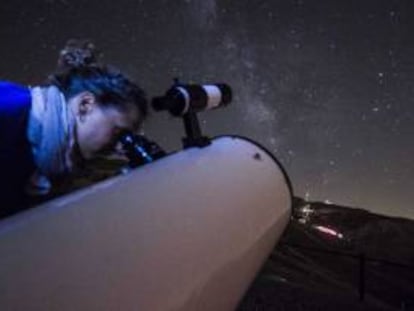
361,277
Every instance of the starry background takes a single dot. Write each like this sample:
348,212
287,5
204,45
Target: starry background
327,86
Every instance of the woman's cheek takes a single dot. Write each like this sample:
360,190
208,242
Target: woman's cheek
105,139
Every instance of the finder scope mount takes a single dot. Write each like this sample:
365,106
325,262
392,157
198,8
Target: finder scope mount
186,100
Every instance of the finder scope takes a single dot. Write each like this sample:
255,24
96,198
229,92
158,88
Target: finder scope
183,98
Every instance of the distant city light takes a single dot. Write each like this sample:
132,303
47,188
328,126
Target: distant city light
329,231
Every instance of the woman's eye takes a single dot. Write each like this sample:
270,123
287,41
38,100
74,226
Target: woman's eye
116,131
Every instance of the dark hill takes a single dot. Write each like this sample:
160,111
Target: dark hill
337,258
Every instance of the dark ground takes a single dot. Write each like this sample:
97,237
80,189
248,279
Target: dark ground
312,270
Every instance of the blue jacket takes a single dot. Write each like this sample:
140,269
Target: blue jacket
16,160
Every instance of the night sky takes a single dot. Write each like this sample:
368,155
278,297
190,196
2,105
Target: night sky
327,86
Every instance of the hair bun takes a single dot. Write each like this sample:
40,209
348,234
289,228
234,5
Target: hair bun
78,53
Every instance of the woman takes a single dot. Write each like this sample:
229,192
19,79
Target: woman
46,131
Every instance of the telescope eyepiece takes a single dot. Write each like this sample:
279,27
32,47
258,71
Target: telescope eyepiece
140,150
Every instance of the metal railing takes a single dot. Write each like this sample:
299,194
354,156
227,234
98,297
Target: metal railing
362,260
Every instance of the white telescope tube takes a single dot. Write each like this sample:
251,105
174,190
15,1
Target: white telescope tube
187,232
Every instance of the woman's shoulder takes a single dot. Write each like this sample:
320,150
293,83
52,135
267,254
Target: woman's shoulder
13,97
12,88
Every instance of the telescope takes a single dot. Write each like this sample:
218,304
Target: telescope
184,98
187,230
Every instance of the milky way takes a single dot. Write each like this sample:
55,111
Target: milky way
327,86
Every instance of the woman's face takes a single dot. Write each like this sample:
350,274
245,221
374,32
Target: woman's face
97,128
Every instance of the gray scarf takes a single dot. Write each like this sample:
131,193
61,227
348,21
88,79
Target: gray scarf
51,134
